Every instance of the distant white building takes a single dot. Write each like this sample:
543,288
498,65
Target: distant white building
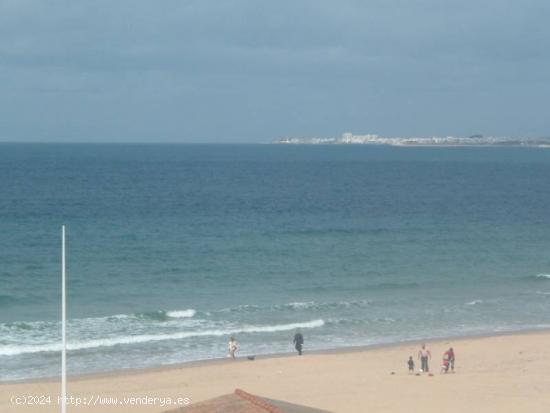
347,137
351,138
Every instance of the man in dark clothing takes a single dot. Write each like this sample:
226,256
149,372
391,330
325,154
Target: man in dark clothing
298,342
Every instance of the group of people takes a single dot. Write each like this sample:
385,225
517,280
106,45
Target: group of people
424,355
233,345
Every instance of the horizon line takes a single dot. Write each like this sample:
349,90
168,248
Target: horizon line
131,143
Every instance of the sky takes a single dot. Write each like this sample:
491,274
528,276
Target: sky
255,71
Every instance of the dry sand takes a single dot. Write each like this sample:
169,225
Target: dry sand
509,373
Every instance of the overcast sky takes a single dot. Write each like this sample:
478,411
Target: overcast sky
254,71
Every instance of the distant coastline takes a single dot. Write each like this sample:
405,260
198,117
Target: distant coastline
372,139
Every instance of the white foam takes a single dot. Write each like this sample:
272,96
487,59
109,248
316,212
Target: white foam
474,302
181,313
242,307
543,276
313,305
14,350
282,327
301,305
114,317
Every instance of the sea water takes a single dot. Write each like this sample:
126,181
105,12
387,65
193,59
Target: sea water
174,248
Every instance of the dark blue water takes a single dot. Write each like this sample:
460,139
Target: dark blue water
172,248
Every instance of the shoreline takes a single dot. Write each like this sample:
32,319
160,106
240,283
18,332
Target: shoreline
220,361
504,373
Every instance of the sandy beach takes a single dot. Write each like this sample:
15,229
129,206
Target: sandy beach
507,373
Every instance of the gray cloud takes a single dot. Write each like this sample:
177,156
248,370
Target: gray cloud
254,71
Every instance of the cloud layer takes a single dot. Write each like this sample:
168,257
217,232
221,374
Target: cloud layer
250,71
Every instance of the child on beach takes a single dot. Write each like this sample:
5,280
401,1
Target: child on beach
411,365
446,362
233,346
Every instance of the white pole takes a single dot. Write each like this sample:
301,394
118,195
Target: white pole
63,327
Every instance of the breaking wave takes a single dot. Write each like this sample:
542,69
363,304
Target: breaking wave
14,350
181,314
538,277
162,315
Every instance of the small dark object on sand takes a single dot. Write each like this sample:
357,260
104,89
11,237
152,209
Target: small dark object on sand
417,374
431,375
251,358
392,373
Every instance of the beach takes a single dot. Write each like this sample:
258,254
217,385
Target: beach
505,373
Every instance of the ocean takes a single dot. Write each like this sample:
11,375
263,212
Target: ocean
174,248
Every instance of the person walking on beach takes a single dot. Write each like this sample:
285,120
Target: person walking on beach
298,342
233,346
451,357
424,355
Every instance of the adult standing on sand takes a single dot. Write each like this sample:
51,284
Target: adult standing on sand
233,346
424,355
298,342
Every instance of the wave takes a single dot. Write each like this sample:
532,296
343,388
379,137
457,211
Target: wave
161,315
308,305
181,313
538,277
242,307
114,320
296,306
300,305
14,350
474,302
20,325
